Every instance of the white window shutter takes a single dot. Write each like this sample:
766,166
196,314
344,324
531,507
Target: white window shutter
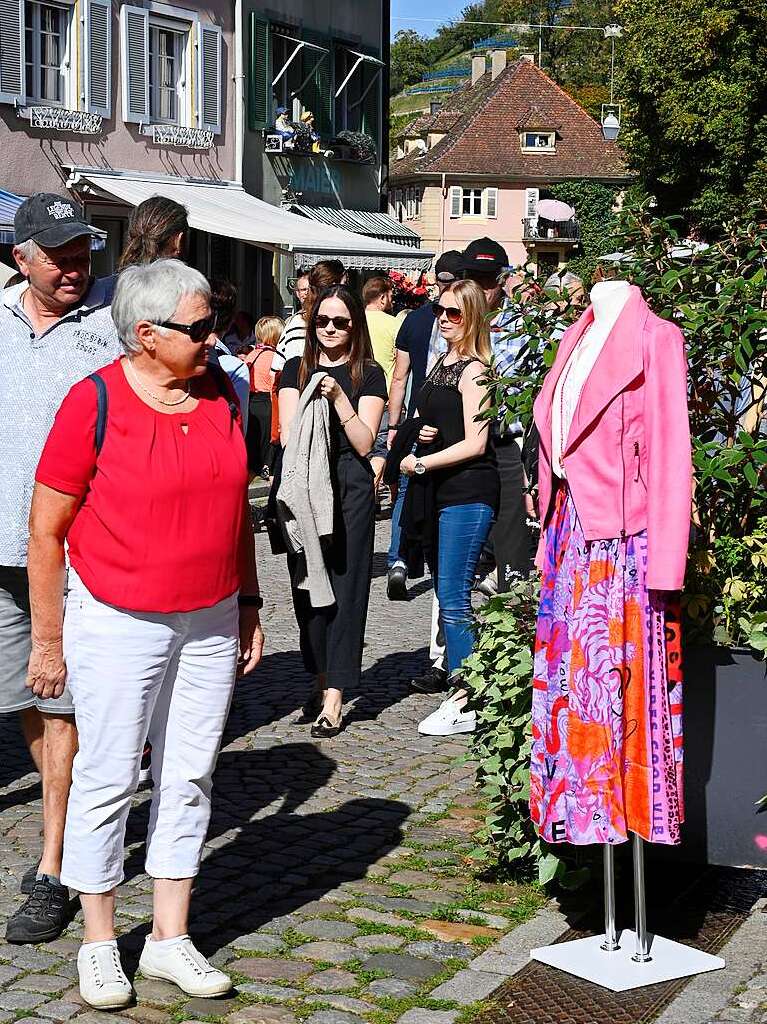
531,203
134,38
12,70
209,87
98,57
491,203
456,201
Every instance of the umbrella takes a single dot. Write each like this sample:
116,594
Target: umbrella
553,209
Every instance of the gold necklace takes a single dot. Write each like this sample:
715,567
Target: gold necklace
151,394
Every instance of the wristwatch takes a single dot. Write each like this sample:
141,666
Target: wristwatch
419,469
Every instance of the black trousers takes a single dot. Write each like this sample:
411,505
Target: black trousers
332,638
510,537
258,439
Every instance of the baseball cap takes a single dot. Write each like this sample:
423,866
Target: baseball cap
484,256
50,220
449,266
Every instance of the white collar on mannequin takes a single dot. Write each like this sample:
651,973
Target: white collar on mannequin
608,299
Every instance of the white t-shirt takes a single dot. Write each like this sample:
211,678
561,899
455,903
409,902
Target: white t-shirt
291,343
567,393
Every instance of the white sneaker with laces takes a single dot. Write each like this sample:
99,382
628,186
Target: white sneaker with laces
184,965
102,980
450,718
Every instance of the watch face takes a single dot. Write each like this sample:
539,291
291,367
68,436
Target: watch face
420,468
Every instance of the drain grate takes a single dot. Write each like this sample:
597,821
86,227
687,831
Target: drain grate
705,915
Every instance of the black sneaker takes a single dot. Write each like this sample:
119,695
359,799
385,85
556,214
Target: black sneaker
43,916
28,880
396,583
433,680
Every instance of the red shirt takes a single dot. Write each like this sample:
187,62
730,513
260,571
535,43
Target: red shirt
159,525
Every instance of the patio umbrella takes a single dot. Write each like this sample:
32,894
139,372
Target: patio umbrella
553,209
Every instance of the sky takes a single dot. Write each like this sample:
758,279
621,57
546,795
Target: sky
407,14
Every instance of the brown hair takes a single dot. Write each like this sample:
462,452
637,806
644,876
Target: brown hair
474,343
153,227
374,288
360,347
223,302
268,330
322,276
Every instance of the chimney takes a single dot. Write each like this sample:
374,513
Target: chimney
530,57
498,64
478,67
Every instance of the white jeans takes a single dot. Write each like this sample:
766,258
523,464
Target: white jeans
133,676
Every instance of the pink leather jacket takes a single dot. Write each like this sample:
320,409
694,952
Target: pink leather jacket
628,455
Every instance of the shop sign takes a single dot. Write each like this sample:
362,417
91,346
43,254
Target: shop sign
79,121
173,135
316,177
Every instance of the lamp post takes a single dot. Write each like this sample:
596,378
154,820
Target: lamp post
611,112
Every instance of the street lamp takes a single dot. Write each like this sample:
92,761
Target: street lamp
611,114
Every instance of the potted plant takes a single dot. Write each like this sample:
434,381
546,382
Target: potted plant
717,294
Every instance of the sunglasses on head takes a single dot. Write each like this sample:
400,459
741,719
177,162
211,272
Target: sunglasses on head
453,313
197,332
341,323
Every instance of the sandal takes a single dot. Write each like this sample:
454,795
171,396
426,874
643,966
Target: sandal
312,707
324,729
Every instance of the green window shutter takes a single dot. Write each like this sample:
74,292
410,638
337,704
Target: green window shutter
317,92
370,105
260,84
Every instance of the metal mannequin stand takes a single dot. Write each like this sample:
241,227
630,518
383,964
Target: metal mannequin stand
633,958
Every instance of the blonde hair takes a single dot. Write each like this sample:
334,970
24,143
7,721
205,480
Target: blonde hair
474,343
268,330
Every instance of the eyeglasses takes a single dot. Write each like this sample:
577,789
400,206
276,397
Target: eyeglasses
341,323
453,313
198,331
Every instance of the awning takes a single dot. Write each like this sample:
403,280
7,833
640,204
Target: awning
363,222
226,209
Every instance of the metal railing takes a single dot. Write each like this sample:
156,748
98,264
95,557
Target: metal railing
538,229
454,71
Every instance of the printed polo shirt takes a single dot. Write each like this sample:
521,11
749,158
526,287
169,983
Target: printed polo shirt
36,372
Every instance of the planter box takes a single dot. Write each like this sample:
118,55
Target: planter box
725,739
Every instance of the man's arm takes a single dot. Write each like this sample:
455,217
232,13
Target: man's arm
397,393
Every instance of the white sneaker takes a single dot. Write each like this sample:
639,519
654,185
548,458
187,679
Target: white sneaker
185,966
102,980
449,719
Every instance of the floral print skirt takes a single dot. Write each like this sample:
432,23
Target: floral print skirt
607,693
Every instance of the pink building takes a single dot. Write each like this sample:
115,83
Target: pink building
482,163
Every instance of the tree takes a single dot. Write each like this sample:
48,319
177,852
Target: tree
409,59
693,77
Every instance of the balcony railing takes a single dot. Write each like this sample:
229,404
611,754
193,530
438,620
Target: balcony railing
538,229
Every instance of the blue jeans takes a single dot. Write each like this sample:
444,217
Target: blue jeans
394,555
463,531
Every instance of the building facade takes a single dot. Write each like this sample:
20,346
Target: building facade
482,164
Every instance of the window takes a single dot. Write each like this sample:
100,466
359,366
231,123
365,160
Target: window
535,141
166,74
357,92
46,30
167,62
471,205
413,202
473,202
286,63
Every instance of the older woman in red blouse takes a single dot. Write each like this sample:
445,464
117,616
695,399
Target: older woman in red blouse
162,593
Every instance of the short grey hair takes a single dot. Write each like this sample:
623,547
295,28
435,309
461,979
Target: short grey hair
558,281
152,291
30,250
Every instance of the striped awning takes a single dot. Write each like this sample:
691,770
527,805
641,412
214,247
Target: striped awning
9,204
363,222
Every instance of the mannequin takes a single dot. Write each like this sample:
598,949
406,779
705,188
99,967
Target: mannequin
615,480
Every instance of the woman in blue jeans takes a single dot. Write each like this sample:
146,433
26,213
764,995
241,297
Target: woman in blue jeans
466,485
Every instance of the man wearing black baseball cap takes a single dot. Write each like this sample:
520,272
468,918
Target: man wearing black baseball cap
56,329
484,261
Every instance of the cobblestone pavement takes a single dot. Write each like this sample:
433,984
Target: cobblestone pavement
333,886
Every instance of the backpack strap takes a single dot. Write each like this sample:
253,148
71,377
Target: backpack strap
102,409
225,388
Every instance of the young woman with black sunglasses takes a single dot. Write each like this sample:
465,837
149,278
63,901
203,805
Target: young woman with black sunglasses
338,343
466,484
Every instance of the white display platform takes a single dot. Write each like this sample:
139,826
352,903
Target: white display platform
617,971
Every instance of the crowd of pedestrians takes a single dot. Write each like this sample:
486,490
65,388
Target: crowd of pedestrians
125,618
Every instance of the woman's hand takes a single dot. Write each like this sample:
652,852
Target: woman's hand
330,388
251,640
427,435
47,672
407,466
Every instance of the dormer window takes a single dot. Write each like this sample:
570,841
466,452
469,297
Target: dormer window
538,142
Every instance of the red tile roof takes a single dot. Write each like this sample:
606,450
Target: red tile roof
484,138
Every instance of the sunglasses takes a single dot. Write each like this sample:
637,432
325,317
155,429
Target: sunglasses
198,331
453,313
341,323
